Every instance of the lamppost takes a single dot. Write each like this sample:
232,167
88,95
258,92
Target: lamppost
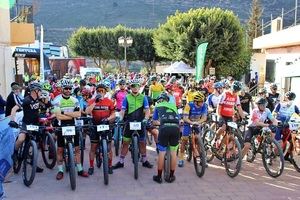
125,42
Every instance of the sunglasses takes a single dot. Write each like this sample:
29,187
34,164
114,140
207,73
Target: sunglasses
121,84
198,101
67,88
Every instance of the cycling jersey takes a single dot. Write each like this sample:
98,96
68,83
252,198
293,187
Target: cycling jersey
177,93
156,89
227,102
119,96
285,112
258,116
272,99
213,100
166,112
31,110
134,106
69,104
102,109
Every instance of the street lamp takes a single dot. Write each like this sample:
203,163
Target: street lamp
125,42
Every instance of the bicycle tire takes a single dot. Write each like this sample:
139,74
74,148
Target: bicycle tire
208,137
251,154
81,146
237,133
296,163
135,156
200,163
265,156
18,162
105,161
48,141
189,149
227,162
71,163
28,180
98,158
117,140
167,165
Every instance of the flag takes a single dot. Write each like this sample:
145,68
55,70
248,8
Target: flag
200,58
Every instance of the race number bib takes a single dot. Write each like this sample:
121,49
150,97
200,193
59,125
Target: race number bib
68,130
135,126
32,128
79,122
232,124
102,128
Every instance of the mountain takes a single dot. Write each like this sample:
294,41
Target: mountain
61,17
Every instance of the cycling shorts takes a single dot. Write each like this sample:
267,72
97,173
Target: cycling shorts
168,136
128,133
61,140
95,137
250,133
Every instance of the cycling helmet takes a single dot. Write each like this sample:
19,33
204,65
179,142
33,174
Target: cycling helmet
82,82
135,82
46,86
273,86
45,94
261,100
226,83
218,85
163,80
199,96
58,84
163,97
153,78
32,78
86,92
107,84
236,86
35,86
101,85
122,82
201,82
290,96
262,90
66,83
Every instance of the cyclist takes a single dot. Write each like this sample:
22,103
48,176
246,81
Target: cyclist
165,114
214,98
137,109
66,110
225,110
273,97
30,108
120,94
284,111
47,87
102,110
57,90
155,88
45,104
169,91
194,113
258,118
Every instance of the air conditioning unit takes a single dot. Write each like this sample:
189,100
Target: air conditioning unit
276,25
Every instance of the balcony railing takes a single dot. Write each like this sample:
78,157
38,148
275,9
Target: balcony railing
21,13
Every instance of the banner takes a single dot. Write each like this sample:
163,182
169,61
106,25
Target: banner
200,58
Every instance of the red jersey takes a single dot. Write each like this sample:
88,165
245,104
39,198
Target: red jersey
177,93
227,102
102,109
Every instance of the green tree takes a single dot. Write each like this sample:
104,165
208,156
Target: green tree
179,37
254,23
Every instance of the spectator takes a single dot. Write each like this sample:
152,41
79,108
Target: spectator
13,98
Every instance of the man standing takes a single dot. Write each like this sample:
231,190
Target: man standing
13,98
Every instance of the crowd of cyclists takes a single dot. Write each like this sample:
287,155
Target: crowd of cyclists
168,107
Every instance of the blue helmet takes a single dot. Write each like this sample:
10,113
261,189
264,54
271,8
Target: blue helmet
218,85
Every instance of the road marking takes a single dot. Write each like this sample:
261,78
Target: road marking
278,186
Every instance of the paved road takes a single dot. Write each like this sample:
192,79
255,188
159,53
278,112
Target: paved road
252,183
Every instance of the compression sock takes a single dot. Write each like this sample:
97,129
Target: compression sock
92,163
79,167
60,168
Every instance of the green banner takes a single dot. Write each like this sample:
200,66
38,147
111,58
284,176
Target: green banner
200,58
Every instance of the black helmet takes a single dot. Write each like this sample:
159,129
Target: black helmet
290,96
163,97
82,82
153,78
236,86
261,100
273,86
35,86
101,85
122,82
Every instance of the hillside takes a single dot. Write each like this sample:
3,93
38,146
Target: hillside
61,17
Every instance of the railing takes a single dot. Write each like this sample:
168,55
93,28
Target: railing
253,90
22,13
285,15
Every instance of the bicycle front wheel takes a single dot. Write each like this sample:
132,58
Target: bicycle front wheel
71,163
200,159
48,149
233,157
272,157
295,154
30,162
105,161
208,139
135,156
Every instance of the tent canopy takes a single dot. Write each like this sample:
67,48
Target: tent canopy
180,67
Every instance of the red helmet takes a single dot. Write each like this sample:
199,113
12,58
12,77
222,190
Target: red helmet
86,92
169,87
